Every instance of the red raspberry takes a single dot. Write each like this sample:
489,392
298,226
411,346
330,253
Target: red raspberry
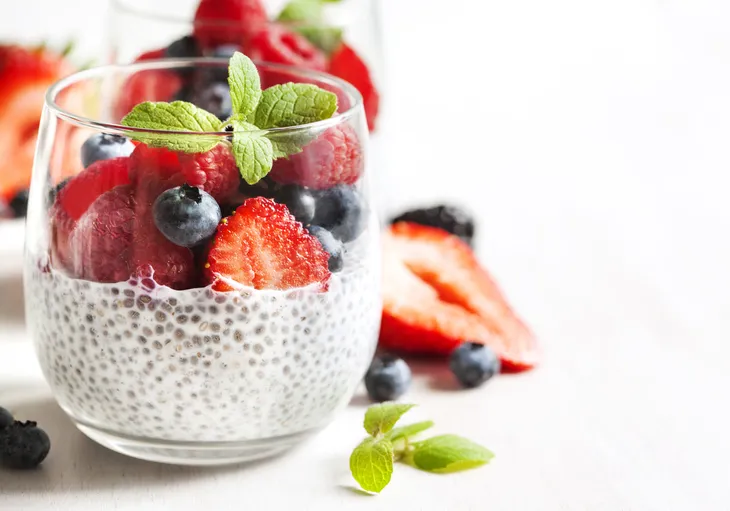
332,159
279,45
76,197
215,171
101,243
262,245
347,64
219,22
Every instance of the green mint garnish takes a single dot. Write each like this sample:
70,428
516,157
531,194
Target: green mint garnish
254,112
176,116
254,152
306,17
371,463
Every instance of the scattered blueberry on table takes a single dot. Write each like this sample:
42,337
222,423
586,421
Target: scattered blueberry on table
388,378
23,445
474,364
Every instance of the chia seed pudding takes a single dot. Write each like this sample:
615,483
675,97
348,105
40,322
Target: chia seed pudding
199,365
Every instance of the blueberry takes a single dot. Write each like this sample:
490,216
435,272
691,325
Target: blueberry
186,215
184,47
388,378
333,247
449,218
23,445
19,204
225,51
299,201
473,364
341,211
54,191
6,418
215,98
103,146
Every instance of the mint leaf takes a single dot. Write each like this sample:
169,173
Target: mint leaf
253,152
449,453
379,419
371,464
301,10
408,431
245,84
293,104
327,39
177,116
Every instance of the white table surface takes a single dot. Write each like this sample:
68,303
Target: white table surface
591,138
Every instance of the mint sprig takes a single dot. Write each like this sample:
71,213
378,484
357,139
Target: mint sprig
255,111
371,463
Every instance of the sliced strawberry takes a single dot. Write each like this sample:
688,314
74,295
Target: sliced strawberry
214,171
347,64
436,296
75,199
102,240
25,75
219,22
263,246
334,158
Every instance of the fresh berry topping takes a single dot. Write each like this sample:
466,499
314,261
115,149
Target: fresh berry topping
263,246
25,75
334,158
19,204
449,218
225,51
267,187
147,85
345,63
54,191
23,446
102,146
219,22
6,418
387,379
332,246
185,47
341,210
435,294
300,202
473,364
101,243
214,171
186,215
214,97
76,197
279,45
154,256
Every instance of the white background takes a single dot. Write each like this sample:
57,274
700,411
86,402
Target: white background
591,138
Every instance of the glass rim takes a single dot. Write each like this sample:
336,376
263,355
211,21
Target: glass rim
148,65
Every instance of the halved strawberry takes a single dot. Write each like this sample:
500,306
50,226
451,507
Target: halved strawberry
263,246
220,22
436,296
75,199
345,63
25,75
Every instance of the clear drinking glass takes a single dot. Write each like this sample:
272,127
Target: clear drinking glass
140,29
142,352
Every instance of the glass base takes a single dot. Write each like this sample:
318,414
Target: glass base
193,453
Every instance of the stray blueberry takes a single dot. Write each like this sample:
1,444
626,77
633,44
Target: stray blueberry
387,379
299,201
473,364
23,445
186,215
6,418
332,246
19,204
341,210
104,146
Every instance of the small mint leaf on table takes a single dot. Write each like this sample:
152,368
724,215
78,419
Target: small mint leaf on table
294,104
254,152
380,418
177,116
245,84
408,431
449,453
371,464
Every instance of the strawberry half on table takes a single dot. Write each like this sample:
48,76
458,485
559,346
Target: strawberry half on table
436,296
25,75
